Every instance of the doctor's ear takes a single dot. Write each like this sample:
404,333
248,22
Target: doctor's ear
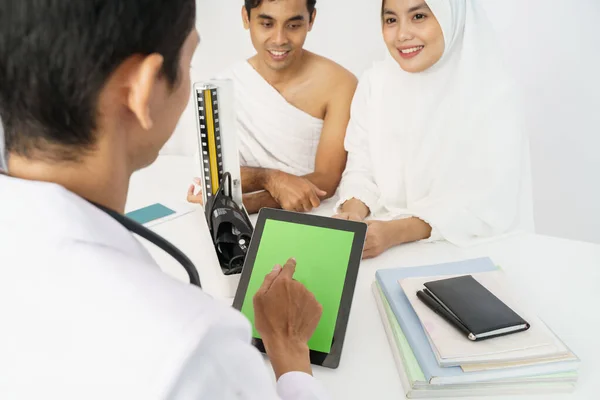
245,18
143,78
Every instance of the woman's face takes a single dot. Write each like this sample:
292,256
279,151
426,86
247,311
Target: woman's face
412,34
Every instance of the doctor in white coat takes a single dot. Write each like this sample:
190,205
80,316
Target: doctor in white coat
91,90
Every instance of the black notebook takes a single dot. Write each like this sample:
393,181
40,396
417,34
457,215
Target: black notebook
469,303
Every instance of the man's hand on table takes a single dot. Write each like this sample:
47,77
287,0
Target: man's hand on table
192,196
294,193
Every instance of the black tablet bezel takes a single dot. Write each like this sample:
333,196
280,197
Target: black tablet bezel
331,359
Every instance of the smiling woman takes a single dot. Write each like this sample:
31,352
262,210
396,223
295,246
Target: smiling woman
412,34
435,147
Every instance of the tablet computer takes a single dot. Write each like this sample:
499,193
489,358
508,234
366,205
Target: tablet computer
328,252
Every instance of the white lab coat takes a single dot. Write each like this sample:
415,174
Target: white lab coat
87,314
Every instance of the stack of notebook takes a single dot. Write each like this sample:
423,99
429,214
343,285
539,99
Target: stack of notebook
442,352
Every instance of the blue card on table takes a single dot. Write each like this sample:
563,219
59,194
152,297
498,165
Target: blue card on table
150,213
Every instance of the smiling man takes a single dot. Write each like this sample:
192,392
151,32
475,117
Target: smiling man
292,109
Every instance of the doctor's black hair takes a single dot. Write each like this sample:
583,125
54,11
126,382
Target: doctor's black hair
250,4
55,57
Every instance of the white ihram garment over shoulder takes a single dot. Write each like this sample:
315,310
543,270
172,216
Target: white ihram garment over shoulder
272,133
444,145
88,314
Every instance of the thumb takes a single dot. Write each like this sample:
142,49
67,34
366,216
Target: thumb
318,191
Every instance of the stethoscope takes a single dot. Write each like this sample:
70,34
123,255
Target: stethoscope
139,229
153,238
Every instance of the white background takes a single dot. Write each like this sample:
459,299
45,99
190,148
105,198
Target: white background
553,48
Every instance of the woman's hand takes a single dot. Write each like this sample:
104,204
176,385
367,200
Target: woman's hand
383,235
379,238
349,216
353,210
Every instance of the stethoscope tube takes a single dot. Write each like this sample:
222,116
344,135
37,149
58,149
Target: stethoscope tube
153,238
157,240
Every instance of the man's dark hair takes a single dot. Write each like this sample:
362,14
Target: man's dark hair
56,56
250,4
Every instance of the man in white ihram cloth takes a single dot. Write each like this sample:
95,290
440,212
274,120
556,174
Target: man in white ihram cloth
86,312
436,148
292,110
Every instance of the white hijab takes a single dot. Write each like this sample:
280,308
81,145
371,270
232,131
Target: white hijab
449,147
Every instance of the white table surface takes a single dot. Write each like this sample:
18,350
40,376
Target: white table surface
560,277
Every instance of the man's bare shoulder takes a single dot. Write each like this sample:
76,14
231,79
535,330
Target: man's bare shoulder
331,73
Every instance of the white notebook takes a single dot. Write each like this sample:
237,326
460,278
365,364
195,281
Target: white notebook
417,388
452,348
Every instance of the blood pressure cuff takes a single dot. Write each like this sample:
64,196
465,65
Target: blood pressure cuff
230,229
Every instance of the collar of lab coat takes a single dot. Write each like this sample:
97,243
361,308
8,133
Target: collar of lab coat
51,213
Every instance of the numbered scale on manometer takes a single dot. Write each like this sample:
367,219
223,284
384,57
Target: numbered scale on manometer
207,99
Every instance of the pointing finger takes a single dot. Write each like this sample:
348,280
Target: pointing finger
289,269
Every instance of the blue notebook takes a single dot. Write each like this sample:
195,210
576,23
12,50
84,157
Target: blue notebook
417,338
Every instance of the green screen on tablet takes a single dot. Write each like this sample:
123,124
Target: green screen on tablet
322,256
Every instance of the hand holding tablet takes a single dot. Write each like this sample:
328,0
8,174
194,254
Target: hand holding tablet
328,253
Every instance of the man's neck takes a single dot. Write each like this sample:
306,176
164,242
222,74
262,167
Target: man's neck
278,78
98,180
